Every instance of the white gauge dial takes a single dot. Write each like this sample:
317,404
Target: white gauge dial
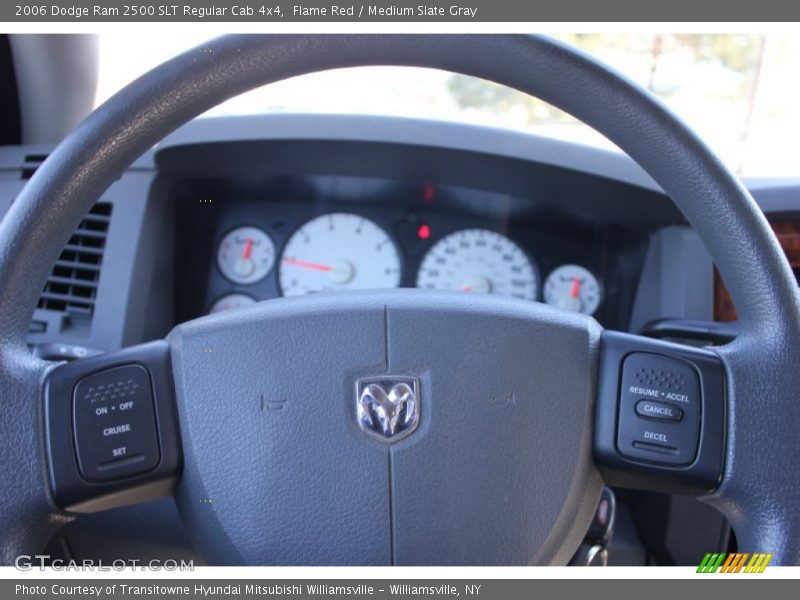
338,251
231,302
573,287
246,255
479,261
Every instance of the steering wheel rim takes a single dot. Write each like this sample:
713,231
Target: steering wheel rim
757,496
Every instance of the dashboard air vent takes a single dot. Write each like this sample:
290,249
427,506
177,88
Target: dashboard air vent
72,285
32,162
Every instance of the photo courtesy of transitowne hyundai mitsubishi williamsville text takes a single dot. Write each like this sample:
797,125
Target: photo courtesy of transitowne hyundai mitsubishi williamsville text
211,591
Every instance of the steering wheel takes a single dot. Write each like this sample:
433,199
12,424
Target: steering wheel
402,426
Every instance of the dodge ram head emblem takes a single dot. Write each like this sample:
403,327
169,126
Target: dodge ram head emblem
388,407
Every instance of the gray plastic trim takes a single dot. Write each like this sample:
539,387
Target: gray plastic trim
56,80
677,279
425,132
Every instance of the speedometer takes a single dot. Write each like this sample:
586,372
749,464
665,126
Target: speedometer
338,251
479,261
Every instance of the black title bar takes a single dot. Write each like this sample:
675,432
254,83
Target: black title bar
431,11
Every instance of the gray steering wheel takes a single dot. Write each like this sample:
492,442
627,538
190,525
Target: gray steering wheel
512,413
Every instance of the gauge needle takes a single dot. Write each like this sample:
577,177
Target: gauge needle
248,249
307,265
576,287
466,289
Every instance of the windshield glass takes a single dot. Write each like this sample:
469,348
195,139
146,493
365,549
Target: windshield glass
739,91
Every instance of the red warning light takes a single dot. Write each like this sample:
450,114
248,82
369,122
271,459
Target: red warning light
428,193
424,232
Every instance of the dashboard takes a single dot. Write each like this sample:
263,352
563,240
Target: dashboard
230,211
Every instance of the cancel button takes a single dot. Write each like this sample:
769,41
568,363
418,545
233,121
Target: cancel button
658,410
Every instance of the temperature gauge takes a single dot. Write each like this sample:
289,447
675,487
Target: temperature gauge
572,287
246,255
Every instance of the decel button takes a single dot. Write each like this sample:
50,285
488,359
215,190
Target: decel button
115,424
661,411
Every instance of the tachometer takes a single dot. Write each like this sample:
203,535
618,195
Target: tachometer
573,287
246,255
338,251
479,261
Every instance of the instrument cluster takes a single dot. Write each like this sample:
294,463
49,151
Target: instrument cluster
246,239
342,250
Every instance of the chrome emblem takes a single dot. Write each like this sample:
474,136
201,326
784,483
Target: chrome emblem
388,407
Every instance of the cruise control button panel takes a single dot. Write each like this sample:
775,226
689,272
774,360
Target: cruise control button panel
114,423
660,417
111,429
659,409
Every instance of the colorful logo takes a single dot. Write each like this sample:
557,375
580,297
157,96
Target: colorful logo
734,562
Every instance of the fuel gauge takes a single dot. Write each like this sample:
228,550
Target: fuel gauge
231,302
573,287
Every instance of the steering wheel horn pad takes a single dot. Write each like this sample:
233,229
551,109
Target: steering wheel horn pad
498,471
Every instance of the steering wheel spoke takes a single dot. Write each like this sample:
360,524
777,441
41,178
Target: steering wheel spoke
112,429
27,515
660,415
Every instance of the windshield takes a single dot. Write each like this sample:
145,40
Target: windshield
739,91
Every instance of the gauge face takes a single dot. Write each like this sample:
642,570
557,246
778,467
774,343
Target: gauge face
231,302
246,255
338,251
479,261
572,287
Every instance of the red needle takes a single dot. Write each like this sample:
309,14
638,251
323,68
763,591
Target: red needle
248,249
307,265
576,287
466,289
